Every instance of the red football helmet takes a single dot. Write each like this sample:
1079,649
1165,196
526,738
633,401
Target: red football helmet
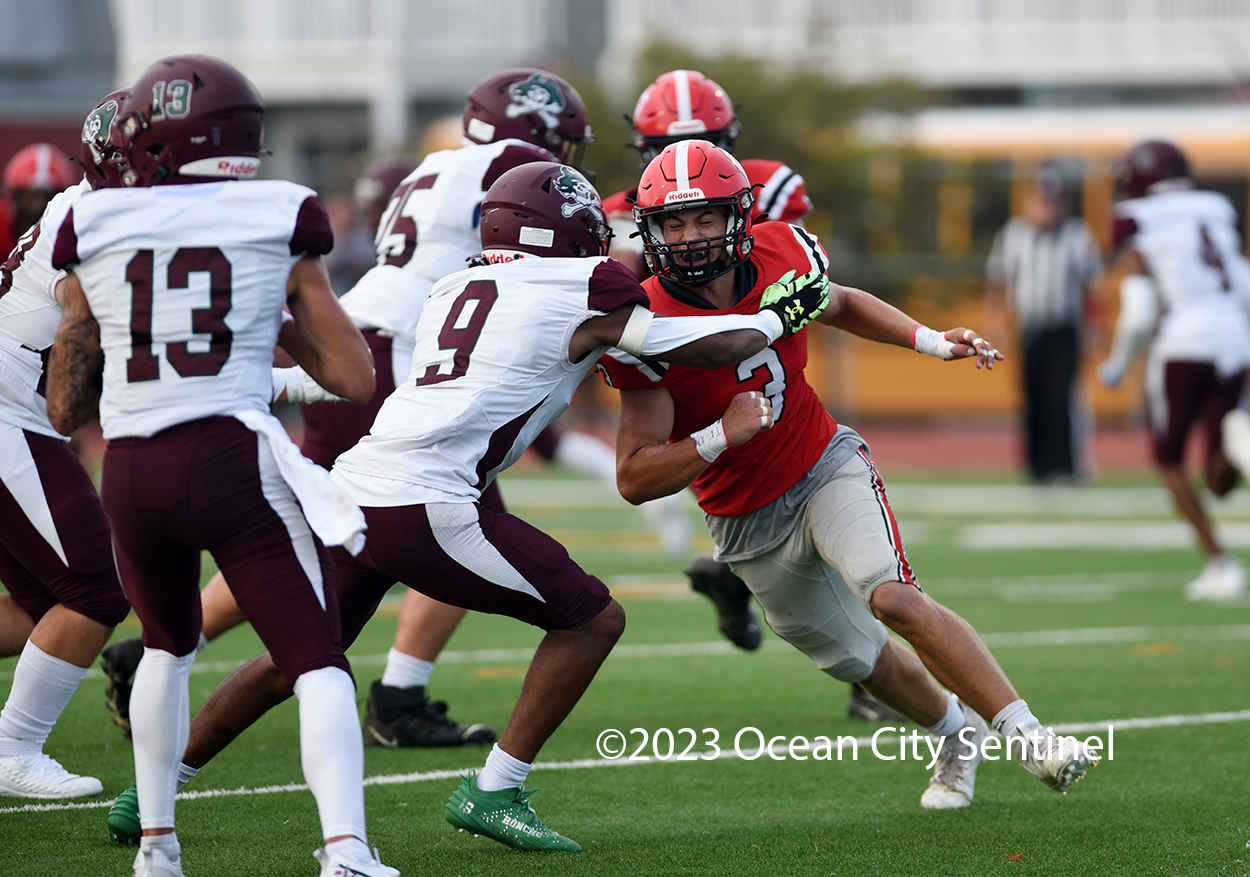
99,142
694,173
530,105
1148,163
682,105
543,209
190,118
39,166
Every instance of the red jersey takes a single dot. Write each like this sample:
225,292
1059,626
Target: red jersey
752,475
779,191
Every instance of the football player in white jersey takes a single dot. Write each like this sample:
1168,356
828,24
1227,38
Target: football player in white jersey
501,347
428,230
56,557
1185,289
175,295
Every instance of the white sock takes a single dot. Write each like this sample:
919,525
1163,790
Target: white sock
332,751
186,773
952,723
502,771
351,848
166,843
203,643
587,455
160,722
405,671
1016,720
42,686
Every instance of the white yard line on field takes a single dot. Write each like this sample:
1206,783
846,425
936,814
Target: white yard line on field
583,763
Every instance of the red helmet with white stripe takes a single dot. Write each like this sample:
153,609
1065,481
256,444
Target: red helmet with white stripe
694,174
682,105
39,166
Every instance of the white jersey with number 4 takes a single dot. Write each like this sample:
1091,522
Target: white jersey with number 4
1190,244
491,370
430,230
29,318
188,283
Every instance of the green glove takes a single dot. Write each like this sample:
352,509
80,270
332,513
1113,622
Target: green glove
797,300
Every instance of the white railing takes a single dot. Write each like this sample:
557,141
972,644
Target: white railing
955,42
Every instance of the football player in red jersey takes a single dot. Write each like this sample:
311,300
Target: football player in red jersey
685,105
793,499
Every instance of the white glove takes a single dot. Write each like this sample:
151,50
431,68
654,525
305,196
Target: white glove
300,387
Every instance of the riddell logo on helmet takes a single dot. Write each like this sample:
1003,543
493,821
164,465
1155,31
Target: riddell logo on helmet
225,167
238,168
683,195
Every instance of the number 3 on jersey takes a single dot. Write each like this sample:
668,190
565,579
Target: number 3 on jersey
769,364
143,364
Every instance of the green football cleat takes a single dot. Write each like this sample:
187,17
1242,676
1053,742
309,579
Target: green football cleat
505,816
123,818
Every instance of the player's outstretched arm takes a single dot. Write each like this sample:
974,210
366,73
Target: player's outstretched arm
327,345
696,342
867,316
649,467
76,362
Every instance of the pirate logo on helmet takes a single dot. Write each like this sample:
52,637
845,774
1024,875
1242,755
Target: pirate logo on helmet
95,128
578,194
538,94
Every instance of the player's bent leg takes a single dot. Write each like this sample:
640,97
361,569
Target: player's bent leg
220,608
564,665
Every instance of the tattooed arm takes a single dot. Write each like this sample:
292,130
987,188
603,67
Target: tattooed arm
76,364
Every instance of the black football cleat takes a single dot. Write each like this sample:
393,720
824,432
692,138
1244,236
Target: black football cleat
738,621
402,717
119,661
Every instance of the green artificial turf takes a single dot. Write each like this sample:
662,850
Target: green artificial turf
1087,634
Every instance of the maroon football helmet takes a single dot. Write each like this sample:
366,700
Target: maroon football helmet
694,173
531,105
190,118
99,142
682,105
543,209
373,188
1148,163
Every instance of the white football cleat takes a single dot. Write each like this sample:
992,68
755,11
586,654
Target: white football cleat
669,517
1223,578
1057,761
154,863
39,776
334,865
955,774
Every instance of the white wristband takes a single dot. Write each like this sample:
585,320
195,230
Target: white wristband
932,342
710,441
635,331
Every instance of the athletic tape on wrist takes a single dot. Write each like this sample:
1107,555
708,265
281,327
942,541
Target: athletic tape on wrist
931,342
710,441
635,331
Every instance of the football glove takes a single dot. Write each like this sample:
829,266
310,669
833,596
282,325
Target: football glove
797,300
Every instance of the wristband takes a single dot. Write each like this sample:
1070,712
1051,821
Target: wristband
931,342
635,331
710,441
